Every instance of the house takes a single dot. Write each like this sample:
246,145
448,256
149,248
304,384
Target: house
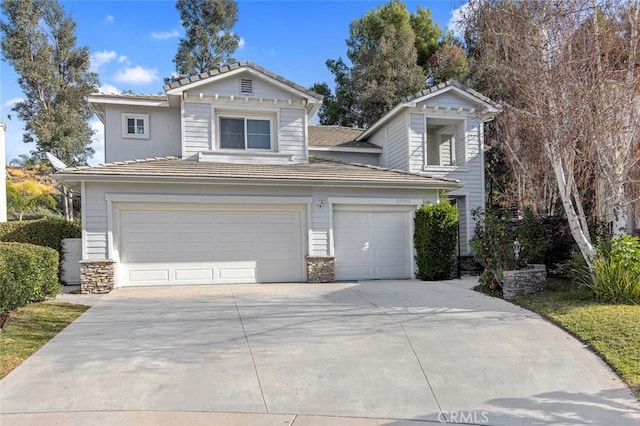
223,180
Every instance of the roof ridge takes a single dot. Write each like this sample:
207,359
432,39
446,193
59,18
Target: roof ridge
385,169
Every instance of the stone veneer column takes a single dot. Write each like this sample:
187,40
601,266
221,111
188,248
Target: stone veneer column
321,269
97,276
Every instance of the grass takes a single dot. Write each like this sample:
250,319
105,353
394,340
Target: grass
612,331
30,327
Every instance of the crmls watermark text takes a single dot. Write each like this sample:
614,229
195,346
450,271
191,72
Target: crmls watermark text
475,417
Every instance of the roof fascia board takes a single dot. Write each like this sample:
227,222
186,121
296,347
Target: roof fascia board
345,149
463,93
70,178
127,101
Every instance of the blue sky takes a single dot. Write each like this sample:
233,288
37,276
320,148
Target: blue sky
133,43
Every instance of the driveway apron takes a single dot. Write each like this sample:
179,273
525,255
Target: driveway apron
398,350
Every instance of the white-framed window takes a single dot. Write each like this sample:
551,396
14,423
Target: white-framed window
135,126
245,133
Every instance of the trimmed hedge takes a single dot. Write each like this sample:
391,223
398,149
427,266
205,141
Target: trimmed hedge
435,239
28,273
43,232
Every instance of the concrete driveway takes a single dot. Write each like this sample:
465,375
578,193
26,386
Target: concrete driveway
401,352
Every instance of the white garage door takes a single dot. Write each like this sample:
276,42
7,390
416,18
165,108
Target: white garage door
210,247
372,242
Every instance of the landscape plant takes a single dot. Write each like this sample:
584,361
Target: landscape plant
435,240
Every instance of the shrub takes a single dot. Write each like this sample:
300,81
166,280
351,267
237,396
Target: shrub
435,240
615,276
28,273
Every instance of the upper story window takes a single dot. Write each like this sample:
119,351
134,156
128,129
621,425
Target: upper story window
135,126
445,142
246,133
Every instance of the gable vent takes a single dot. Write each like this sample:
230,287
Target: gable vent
246,85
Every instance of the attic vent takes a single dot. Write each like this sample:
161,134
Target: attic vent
246,85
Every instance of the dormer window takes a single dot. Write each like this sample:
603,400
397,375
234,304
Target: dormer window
246,86
445,142
247,133
135,126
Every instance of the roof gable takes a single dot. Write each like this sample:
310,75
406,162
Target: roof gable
455,95
244,67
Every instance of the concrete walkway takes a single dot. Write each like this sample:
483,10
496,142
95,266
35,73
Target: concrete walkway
372,353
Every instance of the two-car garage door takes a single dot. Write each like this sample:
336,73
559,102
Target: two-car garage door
207,247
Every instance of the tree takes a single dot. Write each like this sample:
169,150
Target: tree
209,41
25,197
390,51
567,72
38,40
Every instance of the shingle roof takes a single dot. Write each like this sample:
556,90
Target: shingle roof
337,136
234,66
317,171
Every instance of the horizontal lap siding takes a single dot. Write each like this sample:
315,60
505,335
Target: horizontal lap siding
292,133
197,128
416,142
95,222
319,232
397,143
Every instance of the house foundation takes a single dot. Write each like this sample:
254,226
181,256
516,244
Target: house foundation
97,276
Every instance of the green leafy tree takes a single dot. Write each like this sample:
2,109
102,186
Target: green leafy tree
38,40
390,51
209,41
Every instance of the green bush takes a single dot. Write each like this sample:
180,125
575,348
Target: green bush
435,240
615,277
28,273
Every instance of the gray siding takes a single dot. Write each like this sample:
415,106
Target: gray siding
397,143
416,141
94,220
292,134
164,134
231,86
197,128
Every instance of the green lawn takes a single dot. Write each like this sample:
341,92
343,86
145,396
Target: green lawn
612,331
30,327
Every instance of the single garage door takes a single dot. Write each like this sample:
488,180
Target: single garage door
372,242
210,247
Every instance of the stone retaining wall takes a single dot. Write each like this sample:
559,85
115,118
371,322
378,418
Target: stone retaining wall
97,276
524,281
321,269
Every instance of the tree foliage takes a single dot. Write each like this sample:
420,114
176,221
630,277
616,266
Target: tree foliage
567,72
391,52
38,40
209,40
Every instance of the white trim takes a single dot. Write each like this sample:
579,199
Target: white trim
127,101
109,229
376,201
126,116
227,199
225,114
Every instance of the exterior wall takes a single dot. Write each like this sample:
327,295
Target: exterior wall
372,159
397,152
417,141
196,128
292,134
231,86
164,134
98,225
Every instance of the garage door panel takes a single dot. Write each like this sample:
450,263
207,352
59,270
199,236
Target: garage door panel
209,246
372,244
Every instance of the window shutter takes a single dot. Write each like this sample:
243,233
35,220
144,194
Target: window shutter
246,85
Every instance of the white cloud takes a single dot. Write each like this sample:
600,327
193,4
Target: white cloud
109,19
136,75
241,43
108,88
101,58
163,35
455,23
12,102
97,142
